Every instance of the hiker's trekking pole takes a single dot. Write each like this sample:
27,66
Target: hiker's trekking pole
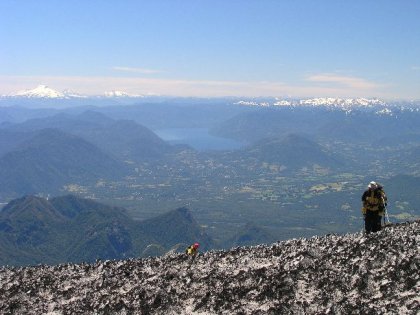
386,216
364,225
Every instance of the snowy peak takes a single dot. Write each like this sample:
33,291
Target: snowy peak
120,94
41,91
341,102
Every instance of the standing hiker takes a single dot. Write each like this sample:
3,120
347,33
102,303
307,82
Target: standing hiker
374,202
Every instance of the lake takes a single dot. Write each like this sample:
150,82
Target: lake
198,138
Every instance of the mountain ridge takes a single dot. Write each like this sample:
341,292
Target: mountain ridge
72,229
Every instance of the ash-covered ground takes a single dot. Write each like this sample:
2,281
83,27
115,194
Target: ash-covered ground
333,274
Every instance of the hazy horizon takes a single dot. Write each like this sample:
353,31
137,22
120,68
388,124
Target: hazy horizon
213,49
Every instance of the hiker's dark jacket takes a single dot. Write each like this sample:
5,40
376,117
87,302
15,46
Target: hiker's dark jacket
374,201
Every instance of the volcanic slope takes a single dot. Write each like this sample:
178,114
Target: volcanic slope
332,274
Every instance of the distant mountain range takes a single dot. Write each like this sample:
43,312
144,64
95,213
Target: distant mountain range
320,122
381,107
70,229
316,102
347,104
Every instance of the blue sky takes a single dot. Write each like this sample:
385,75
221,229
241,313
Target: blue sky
337,48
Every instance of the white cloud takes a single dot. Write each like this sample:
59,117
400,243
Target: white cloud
415,68
136,70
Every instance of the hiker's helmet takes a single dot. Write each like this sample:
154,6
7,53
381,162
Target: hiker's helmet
196,245
373,185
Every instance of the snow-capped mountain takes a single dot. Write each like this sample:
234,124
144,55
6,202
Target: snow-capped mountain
120,94
346,104
41,91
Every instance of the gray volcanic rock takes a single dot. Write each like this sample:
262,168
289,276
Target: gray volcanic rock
333,274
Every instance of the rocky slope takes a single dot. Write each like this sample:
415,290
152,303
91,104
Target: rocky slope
333,274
